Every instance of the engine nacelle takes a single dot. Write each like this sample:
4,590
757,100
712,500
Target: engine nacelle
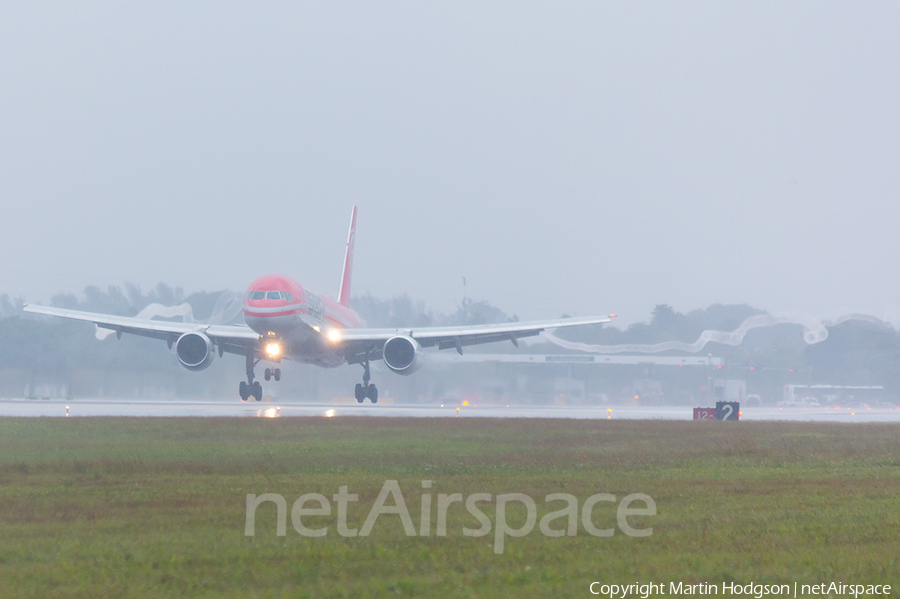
195,351
402,355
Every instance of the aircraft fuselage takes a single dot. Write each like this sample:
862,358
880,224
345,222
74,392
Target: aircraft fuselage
280,309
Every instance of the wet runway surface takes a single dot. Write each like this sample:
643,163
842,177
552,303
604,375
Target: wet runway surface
175,408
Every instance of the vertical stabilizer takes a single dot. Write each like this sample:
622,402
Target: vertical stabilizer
344,291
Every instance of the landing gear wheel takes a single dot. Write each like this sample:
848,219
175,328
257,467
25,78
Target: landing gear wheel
250,388
277,374
366,389
268,374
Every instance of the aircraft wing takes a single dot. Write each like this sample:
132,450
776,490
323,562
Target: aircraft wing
234,339
357,345
362,343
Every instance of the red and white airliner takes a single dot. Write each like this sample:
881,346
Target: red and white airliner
286,321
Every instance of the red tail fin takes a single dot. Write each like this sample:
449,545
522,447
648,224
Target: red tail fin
344,291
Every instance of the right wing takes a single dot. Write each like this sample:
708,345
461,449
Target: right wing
362,344
230,338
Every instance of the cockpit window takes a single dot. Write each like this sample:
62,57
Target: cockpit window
269,295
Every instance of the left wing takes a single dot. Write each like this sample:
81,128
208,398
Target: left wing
230,338
362,344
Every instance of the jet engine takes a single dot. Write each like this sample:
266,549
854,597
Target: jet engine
402,355
195,351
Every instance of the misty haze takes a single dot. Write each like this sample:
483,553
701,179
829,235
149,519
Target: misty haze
615,312
859,352
685,168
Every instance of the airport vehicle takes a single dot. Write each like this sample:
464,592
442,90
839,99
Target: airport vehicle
753,400
802,402
287,321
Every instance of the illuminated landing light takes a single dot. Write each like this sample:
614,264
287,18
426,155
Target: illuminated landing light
334,335
329,413
465,403
317,328
269,413
273,350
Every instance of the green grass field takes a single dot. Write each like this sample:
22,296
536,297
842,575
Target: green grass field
145,507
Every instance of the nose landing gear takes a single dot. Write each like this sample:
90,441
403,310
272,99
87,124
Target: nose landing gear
366,390
252,388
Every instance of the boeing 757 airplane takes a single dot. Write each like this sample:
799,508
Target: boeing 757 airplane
286,321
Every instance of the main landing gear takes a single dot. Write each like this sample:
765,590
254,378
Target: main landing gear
366,390
254,389
248,390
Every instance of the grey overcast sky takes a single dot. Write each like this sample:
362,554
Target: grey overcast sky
582,157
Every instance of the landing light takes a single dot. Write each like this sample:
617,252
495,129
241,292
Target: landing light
334,335
273,350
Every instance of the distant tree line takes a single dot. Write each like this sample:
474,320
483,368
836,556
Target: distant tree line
855,352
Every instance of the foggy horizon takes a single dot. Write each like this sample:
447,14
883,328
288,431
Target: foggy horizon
599,160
